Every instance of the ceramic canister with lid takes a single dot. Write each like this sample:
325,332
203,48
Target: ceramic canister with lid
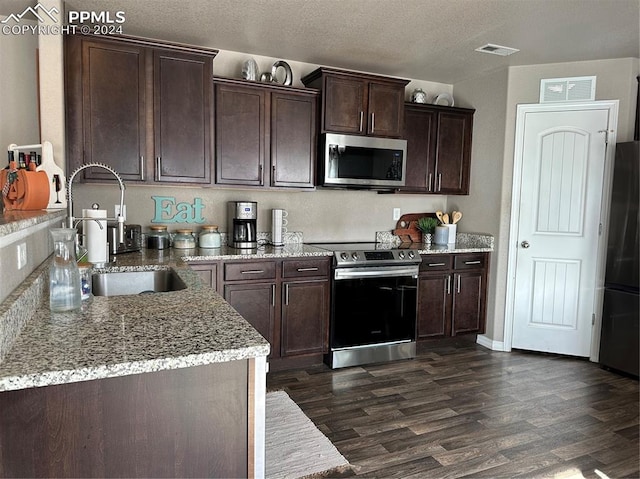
209,237
158,237
184,239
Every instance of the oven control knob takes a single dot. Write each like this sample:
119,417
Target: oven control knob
411,254
344,256
401,254
354,255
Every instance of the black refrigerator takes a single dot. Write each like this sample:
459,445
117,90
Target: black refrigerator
620,335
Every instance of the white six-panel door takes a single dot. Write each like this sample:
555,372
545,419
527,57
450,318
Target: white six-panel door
556,260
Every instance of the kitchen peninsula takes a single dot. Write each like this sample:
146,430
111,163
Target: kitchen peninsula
169,384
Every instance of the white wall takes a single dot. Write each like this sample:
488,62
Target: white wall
483,210
19,110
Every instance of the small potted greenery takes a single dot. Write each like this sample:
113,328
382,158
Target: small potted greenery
427,225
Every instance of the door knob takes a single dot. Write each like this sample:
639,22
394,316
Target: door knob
525,244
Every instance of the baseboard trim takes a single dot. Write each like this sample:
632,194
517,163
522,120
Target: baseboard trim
485,341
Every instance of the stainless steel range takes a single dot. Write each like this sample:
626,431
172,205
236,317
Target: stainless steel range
373,303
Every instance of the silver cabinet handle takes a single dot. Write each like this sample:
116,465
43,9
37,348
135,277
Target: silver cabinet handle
525,244
431,265
273,174
472,262
273,295
307,269
429,181
252,271
448,284
286,294
373,122
141,167
260,175
439,182
458,288
158,167
361,120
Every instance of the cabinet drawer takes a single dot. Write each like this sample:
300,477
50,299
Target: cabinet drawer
249,271
435,262
469,261
302,268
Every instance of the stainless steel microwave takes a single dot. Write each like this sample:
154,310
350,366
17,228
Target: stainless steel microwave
361,161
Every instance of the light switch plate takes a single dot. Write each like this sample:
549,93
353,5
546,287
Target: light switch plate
396,214
22,255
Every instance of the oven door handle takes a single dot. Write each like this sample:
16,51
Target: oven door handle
373,272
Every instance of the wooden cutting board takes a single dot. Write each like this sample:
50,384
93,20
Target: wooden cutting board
407,227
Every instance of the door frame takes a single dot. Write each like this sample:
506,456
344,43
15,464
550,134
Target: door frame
522,110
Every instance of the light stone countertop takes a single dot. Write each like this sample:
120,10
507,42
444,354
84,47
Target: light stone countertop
17,220
122,335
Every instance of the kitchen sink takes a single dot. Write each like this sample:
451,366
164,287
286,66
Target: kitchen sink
136,282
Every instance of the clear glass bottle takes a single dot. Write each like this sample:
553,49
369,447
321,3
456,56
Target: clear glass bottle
64,274
184,239
209,237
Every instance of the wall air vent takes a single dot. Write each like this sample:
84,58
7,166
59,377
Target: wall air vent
497,50
567,89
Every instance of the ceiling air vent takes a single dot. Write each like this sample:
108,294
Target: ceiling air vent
497,50
567,89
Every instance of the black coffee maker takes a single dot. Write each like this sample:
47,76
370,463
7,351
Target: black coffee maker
243,219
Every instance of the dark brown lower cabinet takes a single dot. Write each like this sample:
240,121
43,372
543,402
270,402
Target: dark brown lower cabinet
286,300
255,301
208,272
189,422
305,317
452,293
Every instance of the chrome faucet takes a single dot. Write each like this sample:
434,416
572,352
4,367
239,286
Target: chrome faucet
71,220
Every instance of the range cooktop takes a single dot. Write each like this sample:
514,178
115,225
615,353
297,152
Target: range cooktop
368,254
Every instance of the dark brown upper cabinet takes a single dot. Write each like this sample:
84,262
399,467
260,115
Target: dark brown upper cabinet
142,107
438,149
359,104
265,134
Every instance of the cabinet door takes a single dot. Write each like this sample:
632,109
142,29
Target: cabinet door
293,140
420,133
453,156
468,302
305,317
386,110
344,105
182,117
256,303
240,135
112,110
208,273
434,299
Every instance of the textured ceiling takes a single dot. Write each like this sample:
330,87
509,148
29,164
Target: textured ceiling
422,39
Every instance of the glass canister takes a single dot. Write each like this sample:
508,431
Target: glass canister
209,237
64,274
184,239
158,237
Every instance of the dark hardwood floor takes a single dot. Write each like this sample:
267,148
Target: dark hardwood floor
461,410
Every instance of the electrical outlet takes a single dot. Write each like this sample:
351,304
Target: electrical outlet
22,255
124,211
396,214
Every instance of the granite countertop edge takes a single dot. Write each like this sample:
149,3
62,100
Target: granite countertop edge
125,335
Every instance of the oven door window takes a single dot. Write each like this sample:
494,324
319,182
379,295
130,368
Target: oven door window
373,310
